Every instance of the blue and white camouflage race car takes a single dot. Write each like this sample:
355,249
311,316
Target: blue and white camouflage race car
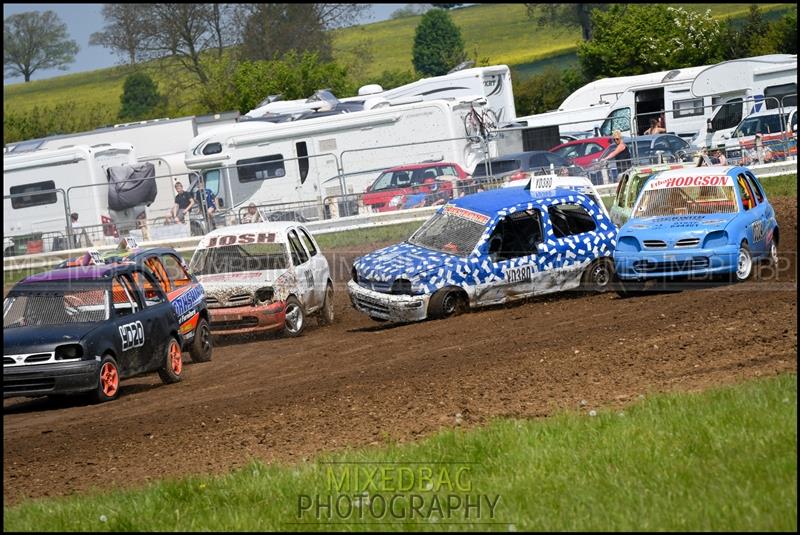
488,248
697,222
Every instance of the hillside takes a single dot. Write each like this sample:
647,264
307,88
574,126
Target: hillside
499,33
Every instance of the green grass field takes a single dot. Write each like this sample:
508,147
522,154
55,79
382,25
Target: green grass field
500,32
724,459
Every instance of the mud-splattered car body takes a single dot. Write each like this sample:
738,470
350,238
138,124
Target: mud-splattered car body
485,249
255,275
59,326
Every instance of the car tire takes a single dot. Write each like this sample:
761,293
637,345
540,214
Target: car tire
172,367
773,254
326,312
744,264
445,303
202,346
107,388
295,318
598,276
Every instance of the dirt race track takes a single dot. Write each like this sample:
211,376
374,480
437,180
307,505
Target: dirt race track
358,382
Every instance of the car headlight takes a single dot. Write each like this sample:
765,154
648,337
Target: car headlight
718,238
354,274
69,352
397,200
628,244
265,295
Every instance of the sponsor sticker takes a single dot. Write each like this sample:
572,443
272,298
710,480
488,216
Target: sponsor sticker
132,335
466,214
688,181
241,239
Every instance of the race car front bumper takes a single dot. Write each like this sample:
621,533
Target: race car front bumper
674,263
400,308
248,319
44,379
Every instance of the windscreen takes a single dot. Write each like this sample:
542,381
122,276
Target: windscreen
21,309
691,200
765,124
237,258
453,230
498,167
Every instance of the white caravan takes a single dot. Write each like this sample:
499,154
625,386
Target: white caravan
32,180
770,82
301,161
690,97
492,82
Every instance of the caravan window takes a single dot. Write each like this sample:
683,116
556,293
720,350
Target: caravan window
728,116
688,108
26,201
780,95
263,168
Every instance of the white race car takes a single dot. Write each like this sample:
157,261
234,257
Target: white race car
263,277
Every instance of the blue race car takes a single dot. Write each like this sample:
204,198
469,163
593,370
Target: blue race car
485,249
82,329
697,222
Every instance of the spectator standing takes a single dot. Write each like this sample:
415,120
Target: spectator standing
184,201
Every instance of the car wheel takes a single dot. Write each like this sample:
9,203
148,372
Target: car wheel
201,348
295,317
326,312
170,371
598,276
445,303
107,380
744,264
773,254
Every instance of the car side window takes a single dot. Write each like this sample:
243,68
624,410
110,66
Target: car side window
748,199
299,255
149,288
538,160
569,219
156,268
124,300
755,187
308,241
176,272
516,235
591,148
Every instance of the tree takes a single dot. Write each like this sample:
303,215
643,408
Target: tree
630,39
35,40
749,39
272,30
140,98
566,14
438,46
124,31
784,33
545,91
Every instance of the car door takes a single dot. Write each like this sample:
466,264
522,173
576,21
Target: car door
135,326
319,265
512,252
761,217
751,216
157,316
304,272
571,238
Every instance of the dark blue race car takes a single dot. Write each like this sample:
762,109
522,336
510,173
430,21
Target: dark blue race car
83,329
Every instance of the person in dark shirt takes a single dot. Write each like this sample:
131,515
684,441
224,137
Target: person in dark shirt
184,201
621,155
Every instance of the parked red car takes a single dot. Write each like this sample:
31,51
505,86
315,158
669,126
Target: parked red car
583,152
410,186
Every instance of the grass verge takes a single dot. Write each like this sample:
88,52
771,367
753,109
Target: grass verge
724,459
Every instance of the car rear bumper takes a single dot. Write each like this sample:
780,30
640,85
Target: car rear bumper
668,263
389,307
248,319
43,379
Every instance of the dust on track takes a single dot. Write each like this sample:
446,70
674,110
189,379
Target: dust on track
357,382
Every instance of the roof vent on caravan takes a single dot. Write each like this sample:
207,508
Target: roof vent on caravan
369,89
463,65
670,75
376,102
